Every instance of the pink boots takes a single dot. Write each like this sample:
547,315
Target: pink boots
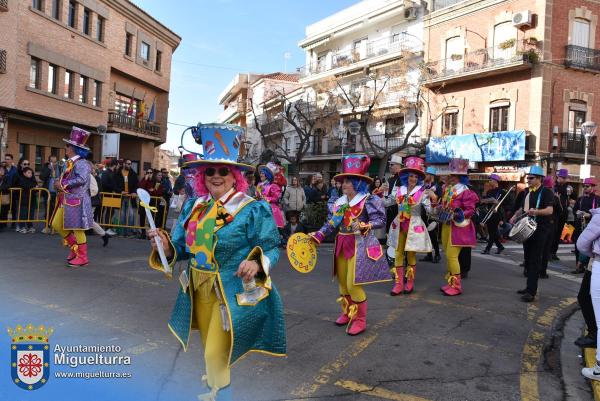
410,279
398,281
70,241
454,287
358,323
345,301
80,258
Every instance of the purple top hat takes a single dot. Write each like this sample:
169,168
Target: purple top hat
78,138
495,177
356,165
563,173
459,166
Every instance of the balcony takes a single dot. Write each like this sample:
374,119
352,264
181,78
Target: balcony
124,121
232,111
373,51
478,64
2,61
583,58
439,4
573,143
272,127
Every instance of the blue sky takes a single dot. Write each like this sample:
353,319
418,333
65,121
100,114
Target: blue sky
234,35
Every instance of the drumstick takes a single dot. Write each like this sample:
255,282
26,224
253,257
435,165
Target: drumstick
220,139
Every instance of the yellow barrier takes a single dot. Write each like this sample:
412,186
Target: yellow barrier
22,210
117,211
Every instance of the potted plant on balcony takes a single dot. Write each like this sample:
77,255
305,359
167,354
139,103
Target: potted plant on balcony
531,41
507,44
456,57
532,55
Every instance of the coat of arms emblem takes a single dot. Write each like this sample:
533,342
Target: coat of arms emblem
30,355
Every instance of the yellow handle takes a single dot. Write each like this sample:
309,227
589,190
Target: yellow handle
147,206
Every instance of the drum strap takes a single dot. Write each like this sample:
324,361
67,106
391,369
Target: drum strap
526,202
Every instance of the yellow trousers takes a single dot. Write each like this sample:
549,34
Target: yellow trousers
57,225
216,341
410,256
345,276
451,251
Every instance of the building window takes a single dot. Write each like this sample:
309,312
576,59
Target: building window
100,29
577,115
145,51
450,123
122,103
39,151
52,81
359,49
56,9
499,118
97,94
83,89
68,89
34,73
581,33
38,5
86,21
454,53
158,60
394,127
505,35
23,151
72,18
128,43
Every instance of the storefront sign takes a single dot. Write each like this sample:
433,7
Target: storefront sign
485,147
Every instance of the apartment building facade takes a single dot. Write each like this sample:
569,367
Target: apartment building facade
512,74
88,63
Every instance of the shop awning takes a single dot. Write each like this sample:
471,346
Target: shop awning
484,147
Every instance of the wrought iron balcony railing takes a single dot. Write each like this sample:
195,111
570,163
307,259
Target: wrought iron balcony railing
574,142
3,5
272,127
131,123
2,61
582,57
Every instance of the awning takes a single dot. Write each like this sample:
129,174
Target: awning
317,43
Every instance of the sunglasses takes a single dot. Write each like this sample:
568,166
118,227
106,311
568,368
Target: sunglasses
587,186
25,164
531,178
223,171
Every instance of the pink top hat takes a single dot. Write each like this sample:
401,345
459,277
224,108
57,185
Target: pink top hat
414,164
78,138
355,165
589,181
459,167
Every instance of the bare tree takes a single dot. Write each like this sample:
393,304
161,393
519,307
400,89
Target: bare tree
305,116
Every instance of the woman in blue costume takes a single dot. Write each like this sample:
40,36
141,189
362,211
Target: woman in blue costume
230,241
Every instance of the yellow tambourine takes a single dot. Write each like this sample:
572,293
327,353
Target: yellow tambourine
302,252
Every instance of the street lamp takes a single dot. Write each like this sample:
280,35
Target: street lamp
588,129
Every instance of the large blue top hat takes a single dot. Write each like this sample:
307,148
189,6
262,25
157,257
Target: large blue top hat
431,170
221,144
536,170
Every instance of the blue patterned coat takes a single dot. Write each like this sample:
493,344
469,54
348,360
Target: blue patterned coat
76,199
251,235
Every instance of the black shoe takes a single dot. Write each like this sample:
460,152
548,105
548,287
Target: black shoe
522,292
522,264
525,273
464,275
554,257
426,258
586,342
105,239
486,251
499,251
436,259
578,271
544,275
528,298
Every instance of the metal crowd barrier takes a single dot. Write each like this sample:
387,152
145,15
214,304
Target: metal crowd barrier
15,208
123,211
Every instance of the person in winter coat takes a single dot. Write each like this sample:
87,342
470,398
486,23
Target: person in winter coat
26,181
5,182
294,198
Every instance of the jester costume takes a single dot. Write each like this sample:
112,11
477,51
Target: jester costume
358,256
214,236
459,231
270,192
73,212
411,232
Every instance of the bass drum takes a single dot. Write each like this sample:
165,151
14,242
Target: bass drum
523,230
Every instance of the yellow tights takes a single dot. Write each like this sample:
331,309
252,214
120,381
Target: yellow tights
451,251
410,256
57,225
345,276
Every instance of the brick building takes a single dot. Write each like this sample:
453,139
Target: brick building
505,66
88,63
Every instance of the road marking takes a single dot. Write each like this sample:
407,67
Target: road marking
533,348
325,373
377,392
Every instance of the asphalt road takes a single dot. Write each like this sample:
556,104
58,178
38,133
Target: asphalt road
483,345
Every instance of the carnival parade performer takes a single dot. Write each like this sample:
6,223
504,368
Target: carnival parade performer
455,210
537,205
588,201
231,242
412,198
73,212
491,199
358,256
435,191
270,191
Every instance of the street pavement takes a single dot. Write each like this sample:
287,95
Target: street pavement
481,346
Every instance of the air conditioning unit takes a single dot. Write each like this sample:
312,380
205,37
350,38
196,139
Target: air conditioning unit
410,13
524,18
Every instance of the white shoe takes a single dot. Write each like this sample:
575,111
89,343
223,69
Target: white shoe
111,232
31,230
23,230
592,373
18,229
46,230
